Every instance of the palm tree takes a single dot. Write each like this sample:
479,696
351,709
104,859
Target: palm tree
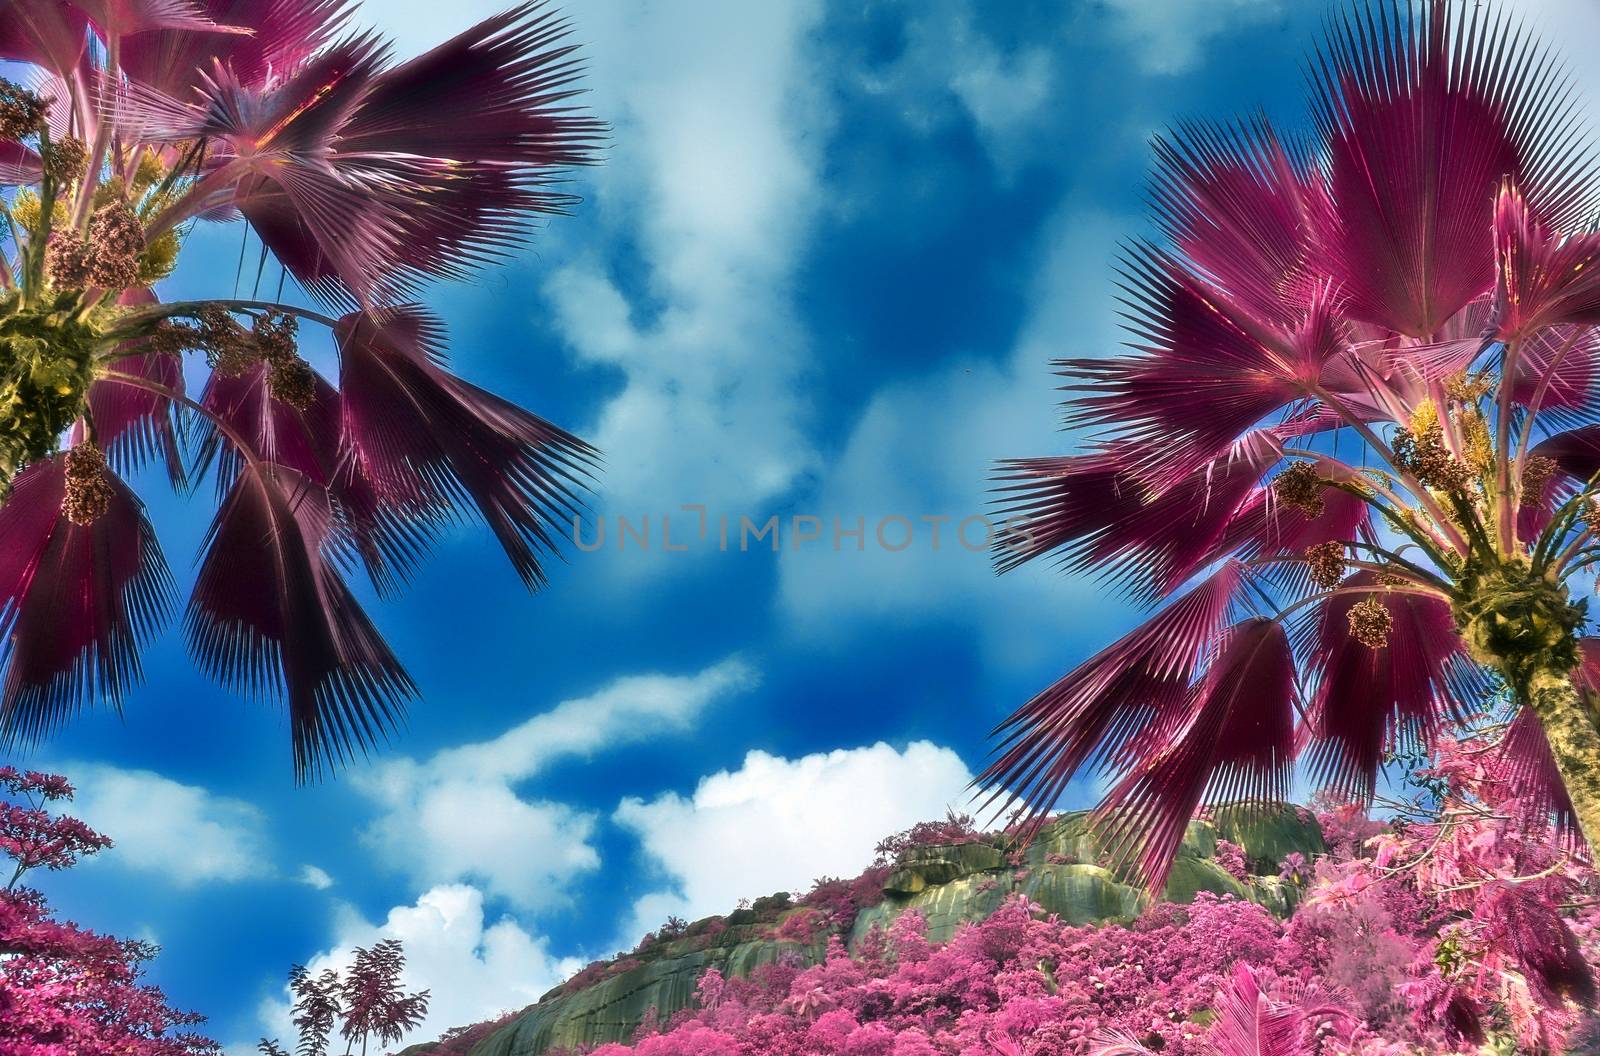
1352,450
366,180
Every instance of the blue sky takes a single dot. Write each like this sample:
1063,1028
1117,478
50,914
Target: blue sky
822,274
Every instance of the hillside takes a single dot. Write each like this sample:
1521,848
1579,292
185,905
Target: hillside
965,879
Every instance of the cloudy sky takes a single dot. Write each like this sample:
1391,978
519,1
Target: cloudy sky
820,277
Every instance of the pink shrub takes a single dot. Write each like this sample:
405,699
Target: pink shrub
954,828
1230,856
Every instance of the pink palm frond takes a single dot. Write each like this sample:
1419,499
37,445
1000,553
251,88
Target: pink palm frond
1443,106
1266,527
426,438
1205,370
1090,715
390,539
1097,512
283,35
1543,280
1542,944
1237,202
76,600
1532,773
19,165
1232,736
121,18
52,34
1370,701
1250,1024
270,616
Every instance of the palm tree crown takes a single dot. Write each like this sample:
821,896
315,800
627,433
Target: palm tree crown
1353,447
366,179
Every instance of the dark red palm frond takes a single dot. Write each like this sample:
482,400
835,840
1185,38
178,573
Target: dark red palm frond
1541,279
493,94
1096,512
121,18
491,110
1065,505
304,440
1367,700
389,539
135,424
1090,715
19,164
1233,740
1423,113
426,438
1237,203
1531,770
53,34
1576,452
1265,527
367,181
335,230
1249,1024
271,616
1205,371
283,34
76,601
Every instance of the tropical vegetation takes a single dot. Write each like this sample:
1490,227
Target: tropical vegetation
1457,926
364,179
1352,451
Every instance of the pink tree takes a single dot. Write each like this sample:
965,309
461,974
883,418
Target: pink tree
365,179
1350,449
63,989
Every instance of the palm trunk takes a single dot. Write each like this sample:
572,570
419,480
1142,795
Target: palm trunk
1574,739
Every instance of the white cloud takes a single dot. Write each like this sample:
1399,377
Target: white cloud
712,175
927,448
777,824
158,825
1171,36
473,969
949,59
316,877
458,815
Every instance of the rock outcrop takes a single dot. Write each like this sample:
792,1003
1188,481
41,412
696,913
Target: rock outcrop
949,884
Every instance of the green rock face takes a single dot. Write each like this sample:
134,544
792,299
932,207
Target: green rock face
950,885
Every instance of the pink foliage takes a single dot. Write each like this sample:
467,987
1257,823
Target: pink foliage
952,829
1230,856
63,989
1437,933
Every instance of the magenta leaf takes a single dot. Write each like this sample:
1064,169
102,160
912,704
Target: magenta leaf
76,602
271,616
